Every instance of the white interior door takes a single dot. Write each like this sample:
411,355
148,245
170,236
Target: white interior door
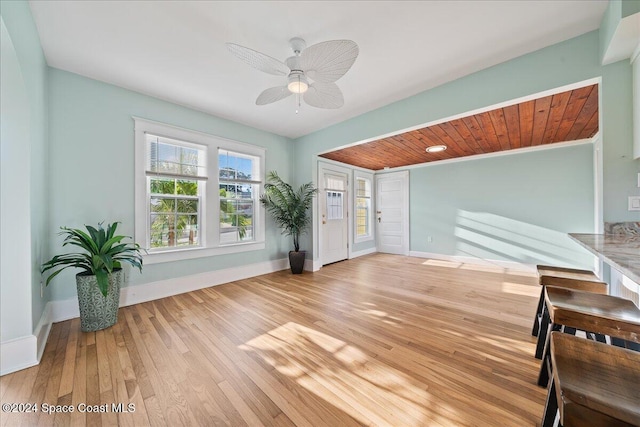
334,217
392,213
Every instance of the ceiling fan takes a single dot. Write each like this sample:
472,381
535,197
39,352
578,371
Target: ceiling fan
323,64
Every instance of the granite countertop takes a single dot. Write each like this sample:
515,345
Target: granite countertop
621,251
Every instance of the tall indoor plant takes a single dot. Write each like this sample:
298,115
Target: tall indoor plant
101,277
290,210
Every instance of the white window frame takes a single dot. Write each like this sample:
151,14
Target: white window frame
257,184
209,232
367,176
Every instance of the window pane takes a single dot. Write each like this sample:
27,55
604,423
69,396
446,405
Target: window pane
174,159
227,206
162,230
244,191
228,191
187,206
187,230
363,207
237,197
245,207
335,182
236,166
173,212
363,188
163,186
245,227
158,204
188,188
334,205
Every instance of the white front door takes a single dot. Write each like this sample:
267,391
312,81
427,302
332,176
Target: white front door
392,213
333,216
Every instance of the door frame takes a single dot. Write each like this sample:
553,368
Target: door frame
404,176
331,167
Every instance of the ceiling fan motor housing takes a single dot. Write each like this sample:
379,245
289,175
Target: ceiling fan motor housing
298,45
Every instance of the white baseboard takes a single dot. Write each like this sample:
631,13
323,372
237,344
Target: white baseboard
68,309
312,264
512,265
24,352
315,265
363,252
27,351
17,354
42,331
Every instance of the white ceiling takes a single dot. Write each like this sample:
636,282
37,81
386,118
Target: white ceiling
175,50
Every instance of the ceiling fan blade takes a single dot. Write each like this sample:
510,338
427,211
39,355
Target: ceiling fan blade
326,62
273,94
324,95
258,60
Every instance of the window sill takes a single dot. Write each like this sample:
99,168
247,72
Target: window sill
363,239
183,254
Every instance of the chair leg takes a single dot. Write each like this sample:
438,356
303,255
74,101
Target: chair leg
545,365
542,335
550,407
538,317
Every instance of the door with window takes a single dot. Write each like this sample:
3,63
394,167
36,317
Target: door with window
392,213
333,216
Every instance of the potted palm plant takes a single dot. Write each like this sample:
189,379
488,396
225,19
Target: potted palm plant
101,277
290,210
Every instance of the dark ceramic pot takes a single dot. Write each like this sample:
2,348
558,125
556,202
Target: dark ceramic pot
296,261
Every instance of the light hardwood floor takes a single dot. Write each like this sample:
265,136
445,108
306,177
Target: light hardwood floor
378,340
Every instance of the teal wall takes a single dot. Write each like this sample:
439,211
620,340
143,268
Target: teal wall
616,11
516,207
630,7
609,24
92,167
24,98
565,63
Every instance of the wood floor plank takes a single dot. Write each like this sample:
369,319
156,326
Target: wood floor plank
380,340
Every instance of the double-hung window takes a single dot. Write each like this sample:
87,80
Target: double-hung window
239,183
363,206
196,194
175,173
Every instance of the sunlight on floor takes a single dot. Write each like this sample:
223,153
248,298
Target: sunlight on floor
442,263
482,268
494,340
344,376
520,289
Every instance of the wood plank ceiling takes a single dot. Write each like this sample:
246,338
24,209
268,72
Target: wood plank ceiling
566,116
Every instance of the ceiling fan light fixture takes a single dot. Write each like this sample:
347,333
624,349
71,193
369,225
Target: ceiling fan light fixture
436,148
298,83
323,64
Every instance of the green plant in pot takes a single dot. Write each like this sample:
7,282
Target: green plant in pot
290,210
99,282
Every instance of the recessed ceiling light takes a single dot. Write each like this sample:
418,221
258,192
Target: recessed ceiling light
436,148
